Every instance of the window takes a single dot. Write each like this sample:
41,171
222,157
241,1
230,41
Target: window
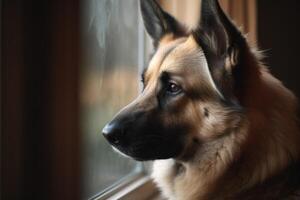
41,50
113,49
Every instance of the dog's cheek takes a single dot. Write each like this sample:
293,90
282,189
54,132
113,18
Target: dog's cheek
175,139
217,120
182,126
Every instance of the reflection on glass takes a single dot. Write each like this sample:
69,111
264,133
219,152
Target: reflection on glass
109,81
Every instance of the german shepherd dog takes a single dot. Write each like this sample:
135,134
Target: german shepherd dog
216,122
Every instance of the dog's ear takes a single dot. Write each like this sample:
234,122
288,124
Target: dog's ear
222,44
157,22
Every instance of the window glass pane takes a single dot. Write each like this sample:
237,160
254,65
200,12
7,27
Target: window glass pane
109,81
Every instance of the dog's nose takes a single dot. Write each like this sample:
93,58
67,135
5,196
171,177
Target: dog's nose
113,132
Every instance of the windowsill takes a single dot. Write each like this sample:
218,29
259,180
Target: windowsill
140,187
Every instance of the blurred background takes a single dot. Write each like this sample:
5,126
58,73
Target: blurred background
67,66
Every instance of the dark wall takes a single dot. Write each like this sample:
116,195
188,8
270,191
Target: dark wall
39,77
279,34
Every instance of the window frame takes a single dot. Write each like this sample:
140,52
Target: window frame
40,137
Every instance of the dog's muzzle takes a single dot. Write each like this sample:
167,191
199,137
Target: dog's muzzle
143,135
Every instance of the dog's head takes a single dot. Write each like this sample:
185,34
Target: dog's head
190,86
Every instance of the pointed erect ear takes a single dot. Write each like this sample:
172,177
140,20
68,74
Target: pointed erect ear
221,41
210,33
157,22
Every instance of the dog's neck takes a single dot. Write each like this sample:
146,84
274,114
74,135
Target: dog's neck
212,162
259,150
229,165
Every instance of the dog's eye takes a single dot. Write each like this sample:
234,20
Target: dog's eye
173,88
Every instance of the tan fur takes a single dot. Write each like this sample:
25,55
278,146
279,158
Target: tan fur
182,57
262,142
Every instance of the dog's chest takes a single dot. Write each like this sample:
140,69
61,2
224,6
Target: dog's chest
163,174
177,182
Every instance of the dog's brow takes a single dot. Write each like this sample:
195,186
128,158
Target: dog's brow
160,56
